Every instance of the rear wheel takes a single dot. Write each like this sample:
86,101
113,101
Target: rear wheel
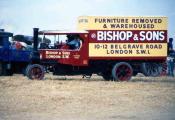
151,69
122,71
35,71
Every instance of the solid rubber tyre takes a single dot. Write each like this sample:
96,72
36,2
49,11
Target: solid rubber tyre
35,71
122,71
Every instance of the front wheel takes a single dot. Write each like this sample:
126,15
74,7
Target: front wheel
122,71
35,71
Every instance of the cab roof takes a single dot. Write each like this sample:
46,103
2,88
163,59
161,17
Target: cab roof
8,34
58,32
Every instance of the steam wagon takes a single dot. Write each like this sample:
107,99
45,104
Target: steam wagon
114,47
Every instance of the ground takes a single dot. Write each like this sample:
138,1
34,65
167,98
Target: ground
74,98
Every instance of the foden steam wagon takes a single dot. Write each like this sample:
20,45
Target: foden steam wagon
114,47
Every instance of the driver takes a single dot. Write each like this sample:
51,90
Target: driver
74,42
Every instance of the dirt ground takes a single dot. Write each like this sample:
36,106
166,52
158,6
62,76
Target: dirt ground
74,98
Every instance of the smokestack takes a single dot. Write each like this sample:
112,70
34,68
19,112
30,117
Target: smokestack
35,54
35,39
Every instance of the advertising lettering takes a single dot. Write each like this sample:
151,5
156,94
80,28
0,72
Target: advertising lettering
56,54
129,35
127,49
121,23
112,36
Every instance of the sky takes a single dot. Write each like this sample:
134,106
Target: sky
21,16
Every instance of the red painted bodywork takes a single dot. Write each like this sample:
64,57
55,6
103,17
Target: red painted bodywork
81,58
72,57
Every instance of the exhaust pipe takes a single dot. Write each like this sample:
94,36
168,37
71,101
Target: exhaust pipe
35,54
35,39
